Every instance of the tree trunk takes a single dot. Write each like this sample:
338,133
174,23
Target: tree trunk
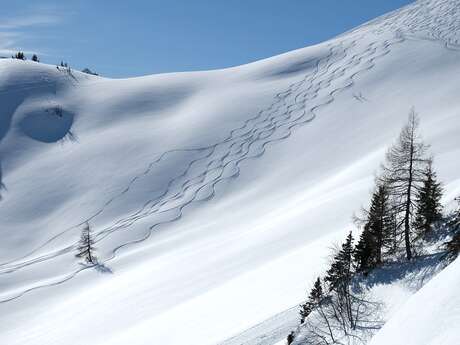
408,200
90,257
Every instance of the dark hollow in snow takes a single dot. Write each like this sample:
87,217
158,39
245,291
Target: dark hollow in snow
48,126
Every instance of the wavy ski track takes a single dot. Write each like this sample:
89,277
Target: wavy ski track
437,21
222,160
280,99
247,127
250,140
441,19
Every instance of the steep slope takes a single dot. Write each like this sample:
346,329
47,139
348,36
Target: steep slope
213,195
429,317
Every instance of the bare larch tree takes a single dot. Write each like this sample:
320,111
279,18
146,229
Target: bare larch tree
403,173
86,247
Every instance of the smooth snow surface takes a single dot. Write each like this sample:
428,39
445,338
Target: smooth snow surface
214,196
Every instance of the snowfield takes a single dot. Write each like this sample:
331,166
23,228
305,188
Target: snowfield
431,316
214,196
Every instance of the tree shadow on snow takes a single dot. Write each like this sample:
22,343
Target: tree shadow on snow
415,272
99,267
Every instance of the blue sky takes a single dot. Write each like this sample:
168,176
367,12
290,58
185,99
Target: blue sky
138,37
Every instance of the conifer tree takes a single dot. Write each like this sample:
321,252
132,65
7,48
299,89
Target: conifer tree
429,208
335,314
403,174
35,58
86,247
341,270
315,297
339,278
362,254
380,223
19,56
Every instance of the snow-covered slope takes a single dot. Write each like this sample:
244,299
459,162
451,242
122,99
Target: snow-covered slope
430,317
213,195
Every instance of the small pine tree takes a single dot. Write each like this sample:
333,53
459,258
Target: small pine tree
316,294
339,275
305,310
379,225
19,56
339,278
362,254
86,247
290,338
35,58
315,297
429,208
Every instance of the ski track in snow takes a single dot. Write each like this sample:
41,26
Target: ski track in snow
437,21
291,108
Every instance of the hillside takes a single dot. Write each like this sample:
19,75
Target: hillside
436,323
214,196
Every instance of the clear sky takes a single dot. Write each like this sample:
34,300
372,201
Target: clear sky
121,38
